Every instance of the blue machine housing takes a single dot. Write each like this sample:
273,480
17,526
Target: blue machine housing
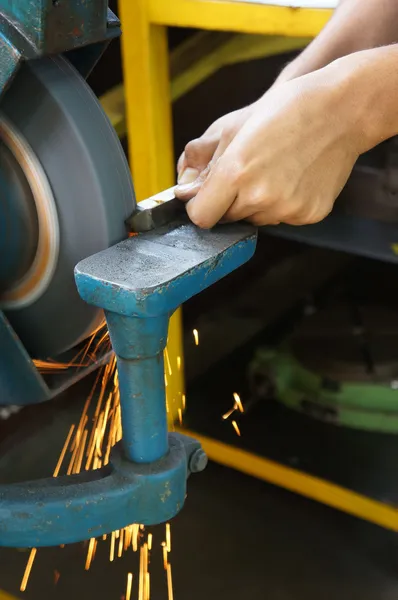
139,283
31,29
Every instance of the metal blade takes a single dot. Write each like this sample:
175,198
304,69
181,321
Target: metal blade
155,211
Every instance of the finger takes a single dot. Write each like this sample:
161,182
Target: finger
215,196
189,190
181,162
197,155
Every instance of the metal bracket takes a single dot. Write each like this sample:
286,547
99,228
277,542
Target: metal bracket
73,508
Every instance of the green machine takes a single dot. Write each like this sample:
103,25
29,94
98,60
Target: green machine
338,367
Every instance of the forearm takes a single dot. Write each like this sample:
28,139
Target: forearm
364,92
356,25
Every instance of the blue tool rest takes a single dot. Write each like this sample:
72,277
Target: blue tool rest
139,283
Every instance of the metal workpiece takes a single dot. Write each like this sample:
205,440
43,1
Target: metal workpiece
156,211
70,509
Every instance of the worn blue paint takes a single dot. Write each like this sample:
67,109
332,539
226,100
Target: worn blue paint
20,382
139,283
30,29
71,509
139,346
146,277
10,59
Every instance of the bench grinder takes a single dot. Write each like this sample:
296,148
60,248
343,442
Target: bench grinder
66,195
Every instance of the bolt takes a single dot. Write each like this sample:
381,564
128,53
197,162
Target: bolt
198,461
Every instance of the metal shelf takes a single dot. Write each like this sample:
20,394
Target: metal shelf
354,235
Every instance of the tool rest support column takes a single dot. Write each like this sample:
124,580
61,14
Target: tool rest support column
139,345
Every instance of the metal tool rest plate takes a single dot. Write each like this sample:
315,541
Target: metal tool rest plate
145,268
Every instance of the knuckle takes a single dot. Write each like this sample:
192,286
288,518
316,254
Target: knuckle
262,198
194,149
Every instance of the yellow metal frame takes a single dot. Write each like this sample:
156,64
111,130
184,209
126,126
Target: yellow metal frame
148,92
210,55
5,596
148,96
296,481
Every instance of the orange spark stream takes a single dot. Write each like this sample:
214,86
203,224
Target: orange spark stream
89,446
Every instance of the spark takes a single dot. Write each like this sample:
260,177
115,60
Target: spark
90,443
121,539
134,540
90,552
236,427
165,558
169,582
112,547
184,401
28,569
237,406
127,537
147,585
63,452
57,575
141,580
238,402
129,585
196,337
229,413
78,465
168,537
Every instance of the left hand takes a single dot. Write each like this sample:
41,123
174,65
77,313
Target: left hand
289,160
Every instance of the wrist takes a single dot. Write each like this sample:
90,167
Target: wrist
368,83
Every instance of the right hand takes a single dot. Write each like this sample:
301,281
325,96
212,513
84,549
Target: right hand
199,154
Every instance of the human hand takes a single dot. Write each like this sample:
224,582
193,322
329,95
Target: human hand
198,155
287,160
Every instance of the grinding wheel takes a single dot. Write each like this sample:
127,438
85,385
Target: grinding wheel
66,192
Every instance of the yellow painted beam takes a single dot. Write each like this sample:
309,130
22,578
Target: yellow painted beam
5,596
148,118
296,481
235,49
239,48
238,16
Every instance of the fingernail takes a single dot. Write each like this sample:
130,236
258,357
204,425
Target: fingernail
186,187
188,176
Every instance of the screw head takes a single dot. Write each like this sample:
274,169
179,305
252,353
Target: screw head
198,461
